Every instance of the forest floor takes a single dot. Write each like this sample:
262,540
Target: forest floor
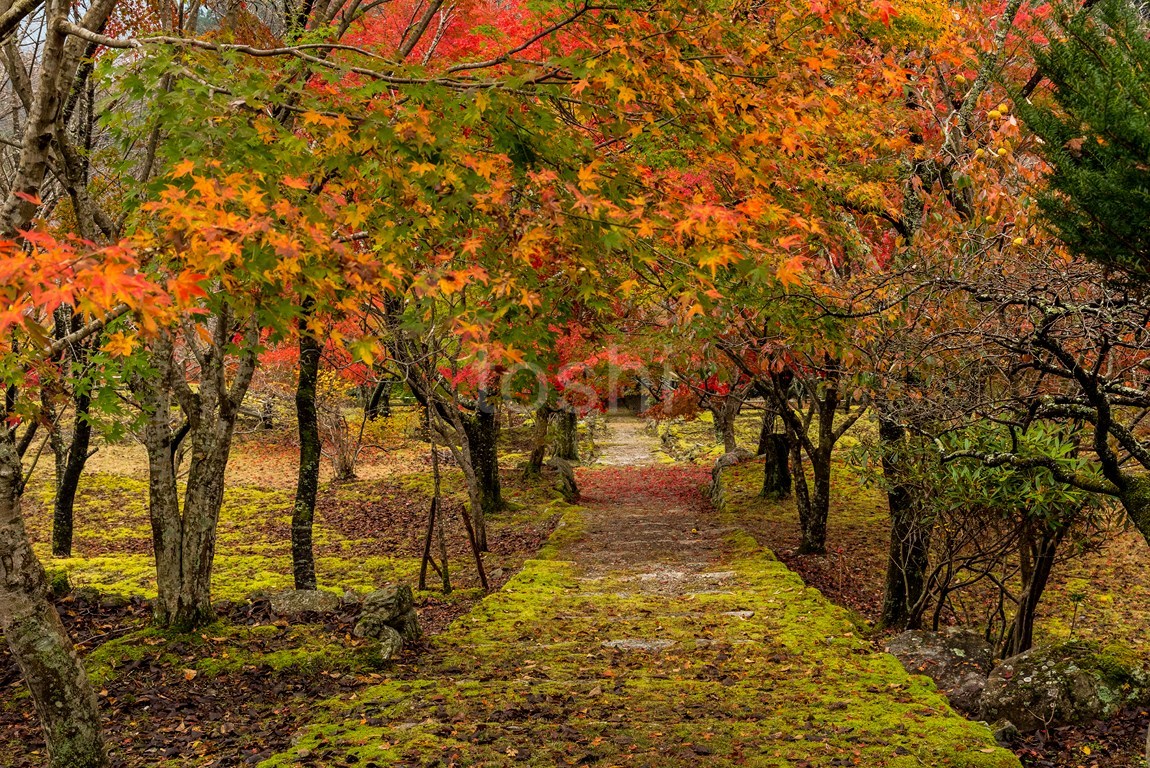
233,693
1100,593
651,631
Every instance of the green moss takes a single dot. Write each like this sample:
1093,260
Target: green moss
524,677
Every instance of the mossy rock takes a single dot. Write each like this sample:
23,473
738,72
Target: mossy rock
1061,684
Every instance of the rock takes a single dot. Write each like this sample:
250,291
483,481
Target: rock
350,597
294,603
408,627
564,477
390,608
390,642
114,601
1005,732
389,603
637,644
86,595
958,661
1062,684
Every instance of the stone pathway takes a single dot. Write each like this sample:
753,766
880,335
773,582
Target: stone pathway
650,632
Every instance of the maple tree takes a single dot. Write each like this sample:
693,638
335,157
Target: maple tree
103,284
812,202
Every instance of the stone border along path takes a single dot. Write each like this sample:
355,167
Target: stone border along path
649,632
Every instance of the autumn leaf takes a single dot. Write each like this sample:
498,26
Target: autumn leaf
790,272
183,168
120,344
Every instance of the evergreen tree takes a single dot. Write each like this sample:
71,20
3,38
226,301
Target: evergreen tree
1096,134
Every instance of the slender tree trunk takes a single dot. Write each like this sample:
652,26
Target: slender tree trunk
68,482
379,403
307,482
910,532
1021,635
567,442
814,523
802,492
766,429
56,679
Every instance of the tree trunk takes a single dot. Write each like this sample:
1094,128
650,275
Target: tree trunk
307,481
766,429
539,442
776,468
814,523
185,539
482,432
379,403
910,533
68,481
567,442
802,495
725,416
56,679
1021,635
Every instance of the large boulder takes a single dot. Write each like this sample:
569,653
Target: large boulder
958,661
1056,685
295,603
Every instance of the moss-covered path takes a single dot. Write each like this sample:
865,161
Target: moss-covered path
650,632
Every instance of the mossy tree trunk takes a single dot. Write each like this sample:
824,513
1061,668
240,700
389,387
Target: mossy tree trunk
802,493
53,673
567,434
910,533
481,429
813,519
307,480
725,412
539,441
184,538
775,450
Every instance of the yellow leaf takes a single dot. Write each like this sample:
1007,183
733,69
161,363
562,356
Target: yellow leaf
790,272
587,177
183,168
120,344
